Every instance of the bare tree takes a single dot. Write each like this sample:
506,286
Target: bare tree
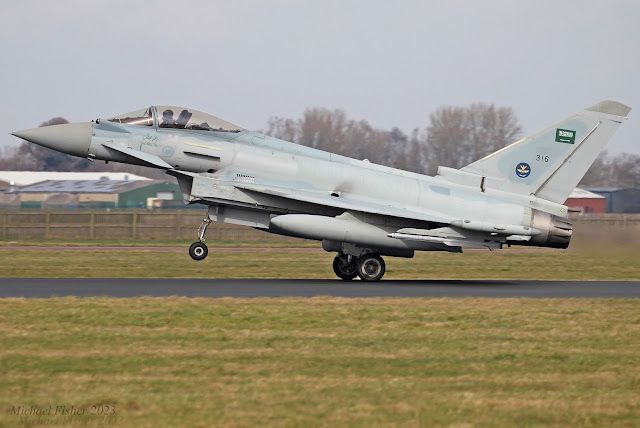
363,141
621,171
447,138
598,174
491,128
323,128
331,130
626,171
416,154
8,158
397,148
457,136
283,128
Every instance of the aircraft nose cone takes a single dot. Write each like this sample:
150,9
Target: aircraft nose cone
71,138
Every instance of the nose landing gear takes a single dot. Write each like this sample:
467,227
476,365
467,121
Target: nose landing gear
198,250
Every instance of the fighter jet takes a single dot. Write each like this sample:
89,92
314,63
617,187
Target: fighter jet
358,209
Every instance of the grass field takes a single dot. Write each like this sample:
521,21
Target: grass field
322,361
325,361
582,262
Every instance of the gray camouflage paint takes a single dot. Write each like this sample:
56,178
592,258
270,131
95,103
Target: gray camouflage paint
354,206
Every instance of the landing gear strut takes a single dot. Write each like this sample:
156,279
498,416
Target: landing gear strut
369,267
198,250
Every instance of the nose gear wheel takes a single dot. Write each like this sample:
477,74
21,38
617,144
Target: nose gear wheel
198,251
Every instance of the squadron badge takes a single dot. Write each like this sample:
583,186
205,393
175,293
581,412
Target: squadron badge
523,170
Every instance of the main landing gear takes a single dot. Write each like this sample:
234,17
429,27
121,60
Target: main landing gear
345,267
369,267
198,250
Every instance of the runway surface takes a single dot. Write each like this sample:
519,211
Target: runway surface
133,287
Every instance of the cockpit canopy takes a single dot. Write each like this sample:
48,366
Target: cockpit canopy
176,117
142,117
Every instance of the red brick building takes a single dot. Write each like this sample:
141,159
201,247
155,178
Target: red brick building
588,202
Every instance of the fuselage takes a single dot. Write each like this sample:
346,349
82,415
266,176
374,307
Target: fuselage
253,157
227,158
255,178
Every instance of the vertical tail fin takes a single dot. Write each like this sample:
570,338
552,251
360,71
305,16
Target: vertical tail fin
550,163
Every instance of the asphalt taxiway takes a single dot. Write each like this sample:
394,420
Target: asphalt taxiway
133,287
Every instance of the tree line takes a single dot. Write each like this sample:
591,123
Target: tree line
455,136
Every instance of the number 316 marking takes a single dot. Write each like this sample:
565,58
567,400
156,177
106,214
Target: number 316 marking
542,158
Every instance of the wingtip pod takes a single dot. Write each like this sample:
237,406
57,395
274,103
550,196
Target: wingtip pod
610,107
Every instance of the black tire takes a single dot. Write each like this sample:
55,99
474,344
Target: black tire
198,251
370,267
344,270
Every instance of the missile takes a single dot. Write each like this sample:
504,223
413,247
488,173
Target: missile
500,229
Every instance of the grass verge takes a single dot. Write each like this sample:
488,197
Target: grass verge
325,361
52,242
602,262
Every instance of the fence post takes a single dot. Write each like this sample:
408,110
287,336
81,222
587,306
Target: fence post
47,225
134,225
178,224
5,220
92,225
218,230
